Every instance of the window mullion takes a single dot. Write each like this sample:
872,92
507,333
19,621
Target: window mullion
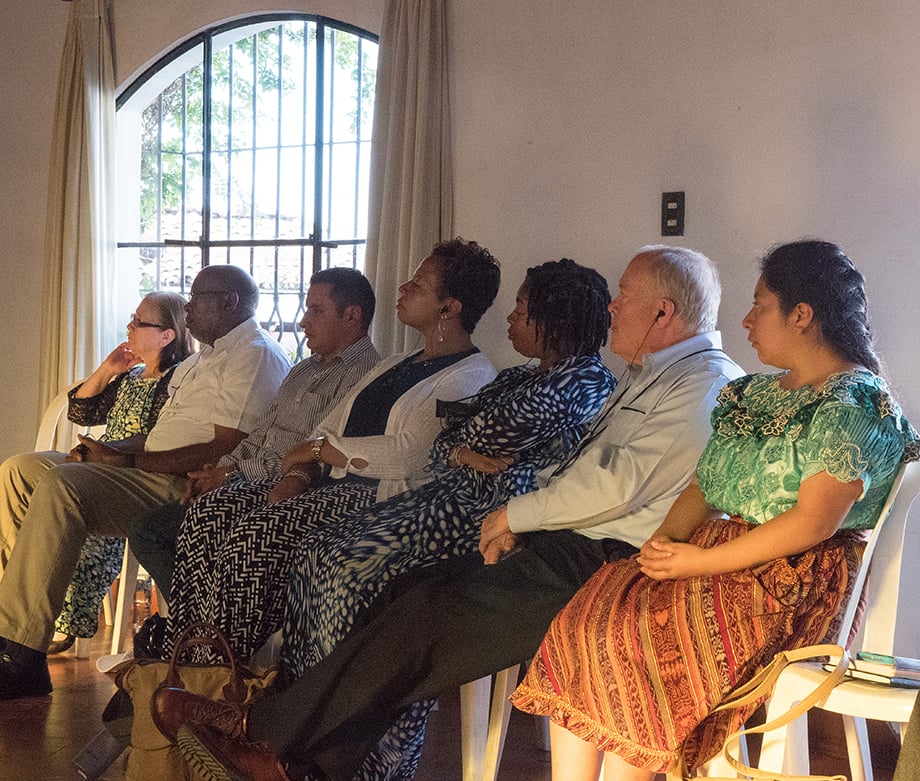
275,317
359,112
159,193
253,204
231,90
318,145
206,96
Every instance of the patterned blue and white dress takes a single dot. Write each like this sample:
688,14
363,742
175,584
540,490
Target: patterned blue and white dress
535,416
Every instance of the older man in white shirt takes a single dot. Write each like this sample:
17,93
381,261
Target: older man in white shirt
216,397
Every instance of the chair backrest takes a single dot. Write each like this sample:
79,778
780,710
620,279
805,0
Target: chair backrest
891,562
48,427
51,431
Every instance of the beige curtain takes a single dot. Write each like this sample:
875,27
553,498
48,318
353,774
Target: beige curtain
78,314
411,176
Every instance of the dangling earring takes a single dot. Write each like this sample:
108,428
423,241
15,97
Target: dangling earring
440,331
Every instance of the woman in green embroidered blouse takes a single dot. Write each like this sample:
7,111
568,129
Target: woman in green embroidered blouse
801,461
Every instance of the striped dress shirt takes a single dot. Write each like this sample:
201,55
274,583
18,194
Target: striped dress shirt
308,392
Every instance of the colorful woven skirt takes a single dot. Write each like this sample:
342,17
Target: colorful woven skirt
636,665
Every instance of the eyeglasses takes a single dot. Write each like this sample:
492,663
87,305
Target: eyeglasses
136,322
199,293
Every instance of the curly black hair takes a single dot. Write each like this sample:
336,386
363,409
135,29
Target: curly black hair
568,302
470,274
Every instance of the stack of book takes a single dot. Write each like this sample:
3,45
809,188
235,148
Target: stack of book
882,668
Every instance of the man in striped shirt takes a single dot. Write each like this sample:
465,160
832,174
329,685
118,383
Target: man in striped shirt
339,309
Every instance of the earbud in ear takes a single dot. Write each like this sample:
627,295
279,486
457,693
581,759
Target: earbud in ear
660,314
445,310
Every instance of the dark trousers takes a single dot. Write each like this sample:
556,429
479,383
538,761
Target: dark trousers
441,627
152,538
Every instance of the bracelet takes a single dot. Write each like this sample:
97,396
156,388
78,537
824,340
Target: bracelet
317,448
300,473
453,457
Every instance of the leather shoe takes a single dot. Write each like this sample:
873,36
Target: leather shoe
23,672
171,708
150,638
217,757
59,646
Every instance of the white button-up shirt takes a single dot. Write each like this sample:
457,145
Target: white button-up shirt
230,384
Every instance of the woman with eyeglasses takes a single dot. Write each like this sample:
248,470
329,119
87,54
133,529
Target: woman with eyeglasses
126,393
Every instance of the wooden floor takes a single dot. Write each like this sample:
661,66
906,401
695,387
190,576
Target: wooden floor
39,737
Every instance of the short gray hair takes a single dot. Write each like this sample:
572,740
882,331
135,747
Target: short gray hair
690,280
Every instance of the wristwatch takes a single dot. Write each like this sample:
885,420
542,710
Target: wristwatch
317,448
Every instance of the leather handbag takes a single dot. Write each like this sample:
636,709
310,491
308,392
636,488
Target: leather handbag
151,756
760,687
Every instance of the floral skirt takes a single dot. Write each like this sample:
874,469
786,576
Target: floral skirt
636,665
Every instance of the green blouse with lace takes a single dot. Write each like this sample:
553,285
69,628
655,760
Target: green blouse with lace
767,440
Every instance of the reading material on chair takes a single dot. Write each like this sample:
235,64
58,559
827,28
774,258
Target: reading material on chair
882,668
903,664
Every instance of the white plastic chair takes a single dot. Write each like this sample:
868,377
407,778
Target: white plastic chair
484,713
889,627
52,419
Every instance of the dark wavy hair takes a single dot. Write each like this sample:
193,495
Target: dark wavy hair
568,303
820,274
171,314
470,274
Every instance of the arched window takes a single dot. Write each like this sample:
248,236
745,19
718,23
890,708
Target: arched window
249,144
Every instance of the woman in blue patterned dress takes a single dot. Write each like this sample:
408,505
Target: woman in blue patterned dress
802,462
126,393
530,417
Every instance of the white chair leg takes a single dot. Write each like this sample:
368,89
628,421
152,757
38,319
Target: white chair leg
785,750
857,736
505,684
81,647
474,726
126,588
108,611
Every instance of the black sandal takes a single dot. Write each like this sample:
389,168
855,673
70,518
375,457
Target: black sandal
59,646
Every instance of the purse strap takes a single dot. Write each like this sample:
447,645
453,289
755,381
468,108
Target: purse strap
198,634
761,686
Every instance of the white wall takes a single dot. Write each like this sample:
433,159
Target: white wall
778,119
30,46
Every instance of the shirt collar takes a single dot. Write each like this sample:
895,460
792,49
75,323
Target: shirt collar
353,350
240,334
708,340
